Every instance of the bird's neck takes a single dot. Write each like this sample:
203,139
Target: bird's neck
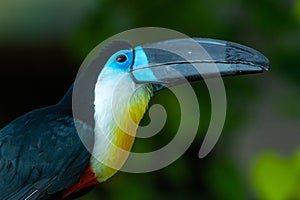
119,107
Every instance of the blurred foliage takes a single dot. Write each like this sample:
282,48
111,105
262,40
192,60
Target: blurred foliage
276,177
224,180
273,27
297,10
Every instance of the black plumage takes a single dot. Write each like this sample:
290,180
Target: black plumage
41,153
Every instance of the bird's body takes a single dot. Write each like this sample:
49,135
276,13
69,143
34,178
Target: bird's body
55,140
54,153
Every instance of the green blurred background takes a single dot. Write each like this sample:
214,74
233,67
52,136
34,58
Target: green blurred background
42,45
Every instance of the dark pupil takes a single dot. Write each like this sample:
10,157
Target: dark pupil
121,58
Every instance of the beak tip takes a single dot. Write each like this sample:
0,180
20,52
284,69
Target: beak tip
266,68
242,53
265,65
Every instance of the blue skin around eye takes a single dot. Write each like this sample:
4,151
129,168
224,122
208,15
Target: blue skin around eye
142,75
124,66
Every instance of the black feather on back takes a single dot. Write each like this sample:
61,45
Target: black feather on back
40,154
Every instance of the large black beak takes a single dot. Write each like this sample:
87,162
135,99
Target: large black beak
177,61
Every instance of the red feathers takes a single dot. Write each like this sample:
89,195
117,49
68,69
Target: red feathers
87,179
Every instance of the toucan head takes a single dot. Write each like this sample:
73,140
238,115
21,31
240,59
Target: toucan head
122,80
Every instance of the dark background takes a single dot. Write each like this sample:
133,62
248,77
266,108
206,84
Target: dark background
42,45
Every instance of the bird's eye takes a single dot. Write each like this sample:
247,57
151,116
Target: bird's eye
121,58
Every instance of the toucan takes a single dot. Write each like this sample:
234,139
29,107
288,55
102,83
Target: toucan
61,151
